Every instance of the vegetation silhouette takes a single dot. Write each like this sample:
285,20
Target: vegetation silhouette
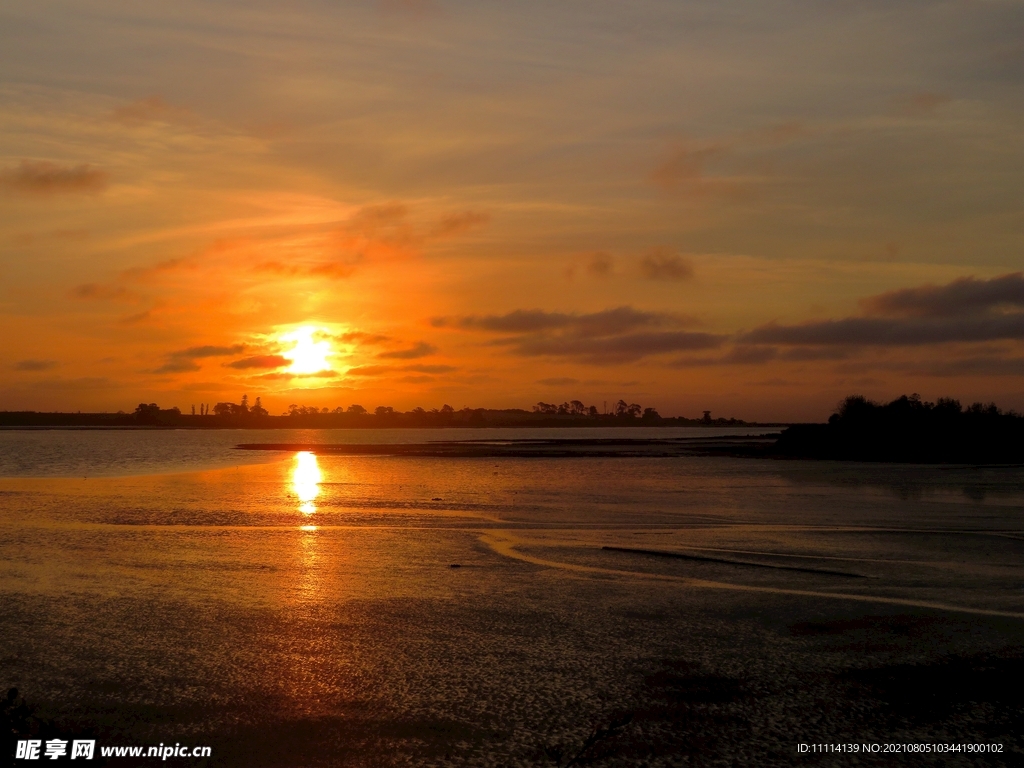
242,415
909,429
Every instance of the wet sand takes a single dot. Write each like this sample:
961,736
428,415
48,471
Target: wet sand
307,612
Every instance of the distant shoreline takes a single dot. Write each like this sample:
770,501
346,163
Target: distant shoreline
466,419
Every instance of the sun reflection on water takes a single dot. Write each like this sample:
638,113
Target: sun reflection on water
306,479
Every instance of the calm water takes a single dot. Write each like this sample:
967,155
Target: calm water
113,452
305,611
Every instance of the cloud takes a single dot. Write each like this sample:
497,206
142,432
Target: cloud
662,264
739,355
430,368
622,334
965,310
333,270
872,331
101,292
178,365
387,370
169,265
685,165
40,177
558,381
34,365
209,351
150,110
979,365
277,375
422,349
457,223
614,349
361,337
962,298
183,360
369,370
603,323
260,361
598,264
923,104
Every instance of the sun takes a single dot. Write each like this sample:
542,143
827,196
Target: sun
308,353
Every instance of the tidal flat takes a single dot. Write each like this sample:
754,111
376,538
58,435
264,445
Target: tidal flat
370,610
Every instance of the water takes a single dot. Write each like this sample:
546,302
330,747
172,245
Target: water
304,610
114,452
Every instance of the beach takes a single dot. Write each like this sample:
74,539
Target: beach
299,609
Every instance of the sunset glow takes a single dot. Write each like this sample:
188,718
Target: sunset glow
714,207
308,353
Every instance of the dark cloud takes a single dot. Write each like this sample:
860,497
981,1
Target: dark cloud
605,323
38,177
35,365
877,331
260,361
809,354
622,334
663,264
614,349
739,355
183,360
967,310
101,292
361,337
982,365
178,365
962,298
209,351
430,368
422,349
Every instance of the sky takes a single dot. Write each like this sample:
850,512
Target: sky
749,208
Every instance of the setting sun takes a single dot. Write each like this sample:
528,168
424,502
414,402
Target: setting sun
308,354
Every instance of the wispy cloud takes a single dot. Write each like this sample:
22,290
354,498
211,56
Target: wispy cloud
34,365
421,349
41,177
260,361
663,264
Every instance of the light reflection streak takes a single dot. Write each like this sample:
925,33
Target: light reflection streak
306,479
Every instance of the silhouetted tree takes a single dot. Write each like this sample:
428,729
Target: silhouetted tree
358,410
258,409
384,410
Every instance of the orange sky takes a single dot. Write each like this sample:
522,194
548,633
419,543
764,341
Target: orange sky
702,205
